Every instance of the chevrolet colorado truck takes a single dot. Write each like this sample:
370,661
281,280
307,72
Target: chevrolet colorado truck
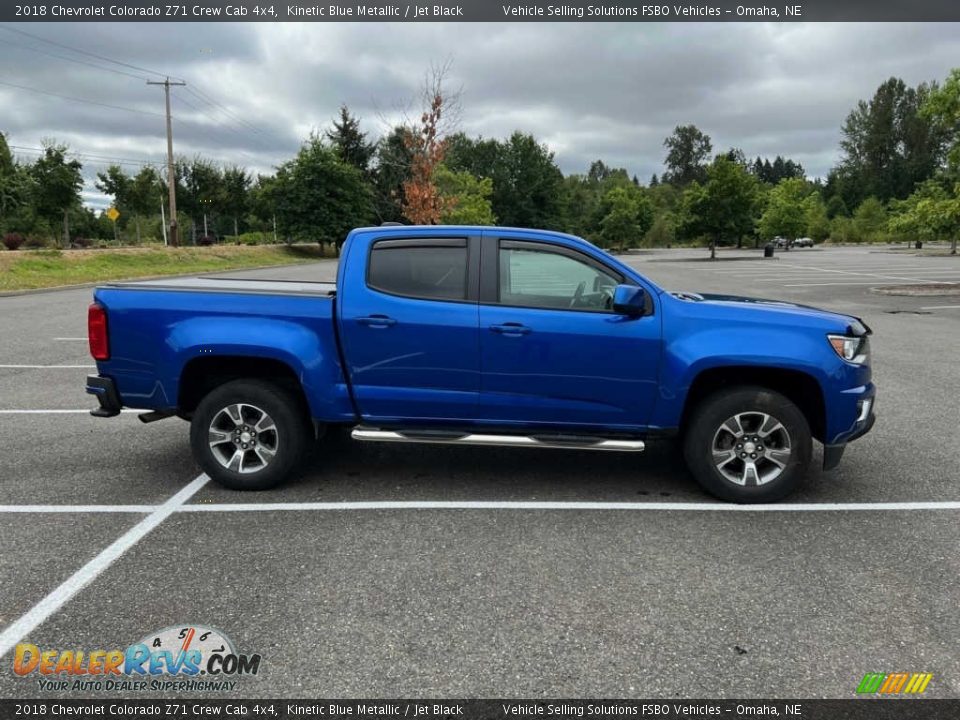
483,336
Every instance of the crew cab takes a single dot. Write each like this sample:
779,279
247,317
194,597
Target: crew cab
483,336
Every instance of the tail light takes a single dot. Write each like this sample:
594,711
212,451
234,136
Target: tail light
97,332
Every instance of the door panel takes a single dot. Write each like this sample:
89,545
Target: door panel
410,334
571,362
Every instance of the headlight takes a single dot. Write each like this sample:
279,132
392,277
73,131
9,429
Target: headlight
851,349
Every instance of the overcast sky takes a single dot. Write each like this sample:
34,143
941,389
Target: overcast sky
612,91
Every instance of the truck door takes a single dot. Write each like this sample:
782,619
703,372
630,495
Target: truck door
409,329
552,350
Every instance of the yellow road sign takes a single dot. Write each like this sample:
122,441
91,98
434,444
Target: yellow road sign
113,213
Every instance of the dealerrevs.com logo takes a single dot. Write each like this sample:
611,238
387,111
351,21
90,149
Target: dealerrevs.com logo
178,658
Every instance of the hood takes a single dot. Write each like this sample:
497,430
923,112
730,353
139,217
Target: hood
854,325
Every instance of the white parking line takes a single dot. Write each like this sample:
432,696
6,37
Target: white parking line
81,339
143,509
340,506
941,307
50,367
28,622
567,505
875,283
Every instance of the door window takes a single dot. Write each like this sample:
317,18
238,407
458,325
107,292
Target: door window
431,271
551,280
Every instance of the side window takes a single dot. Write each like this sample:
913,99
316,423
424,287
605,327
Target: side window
429,270
551,280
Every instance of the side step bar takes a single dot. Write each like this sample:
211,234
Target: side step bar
563,442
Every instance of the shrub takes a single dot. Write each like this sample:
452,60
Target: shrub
81,242
35,241
13,240
251,238
206,240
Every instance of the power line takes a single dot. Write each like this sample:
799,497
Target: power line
94,157
183,100
197,93
83,52
75,60
205,97
80,100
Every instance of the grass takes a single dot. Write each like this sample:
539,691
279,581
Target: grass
31,269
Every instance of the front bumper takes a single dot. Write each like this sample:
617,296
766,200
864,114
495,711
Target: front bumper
106,392
865,419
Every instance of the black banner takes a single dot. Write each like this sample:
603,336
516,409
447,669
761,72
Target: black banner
482,10
853,709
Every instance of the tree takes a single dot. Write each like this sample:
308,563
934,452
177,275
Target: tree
199,193
815,213
723,208
888,145
780,169
349,143
528,187
56,186
942,107
466,199
132,197
930,213
785,214
15,188
422,203
870,220
426,141
687,153
318,197
146,195
393,159
235,194
836,207
627,216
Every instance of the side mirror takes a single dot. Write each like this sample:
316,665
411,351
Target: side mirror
629,300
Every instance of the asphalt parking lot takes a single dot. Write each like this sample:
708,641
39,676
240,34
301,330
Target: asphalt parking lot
552,573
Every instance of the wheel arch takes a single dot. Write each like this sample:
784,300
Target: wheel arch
201,375
801,388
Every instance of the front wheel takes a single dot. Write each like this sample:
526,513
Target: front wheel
748,445
249,434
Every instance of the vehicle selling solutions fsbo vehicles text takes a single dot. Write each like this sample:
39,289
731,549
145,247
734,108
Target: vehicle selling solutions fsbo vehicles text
579,12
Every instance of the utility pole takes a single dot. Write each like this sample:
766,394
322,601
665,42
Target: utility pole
171,172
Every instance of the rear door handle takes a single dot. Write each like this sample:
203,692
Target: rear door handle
377,321
512,329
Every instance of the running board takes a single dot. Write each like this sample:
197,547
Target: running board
562,442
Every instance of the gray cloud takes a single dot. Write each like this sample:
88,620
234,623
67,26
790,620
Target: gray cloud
605,90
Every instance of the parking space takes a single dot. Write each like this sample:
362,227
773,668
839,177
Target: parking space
525,585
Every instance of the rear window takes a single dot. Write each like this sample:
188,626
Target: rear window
421,271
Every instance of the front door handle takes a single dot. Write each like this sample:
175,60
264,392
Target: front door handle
511,329
377,321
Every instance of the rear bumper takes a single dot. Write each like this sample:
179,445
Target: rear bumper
107,395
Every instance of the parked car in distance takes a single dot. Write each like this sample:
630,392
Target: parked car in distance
484,336
803,242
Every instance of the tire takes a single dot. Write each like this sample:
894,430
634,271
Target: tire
748,427
249,434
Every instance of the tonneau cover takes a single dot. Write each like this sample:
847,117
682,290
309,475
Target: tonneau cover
232,285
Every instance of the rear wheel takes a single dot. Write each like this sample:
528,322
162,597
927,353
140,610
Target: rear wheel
249,434
748,445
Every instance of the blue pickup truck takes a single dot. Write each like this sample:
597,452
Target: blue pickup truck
484,336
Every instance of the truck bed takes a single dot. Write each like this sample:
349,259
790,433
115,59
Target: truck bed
243,286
